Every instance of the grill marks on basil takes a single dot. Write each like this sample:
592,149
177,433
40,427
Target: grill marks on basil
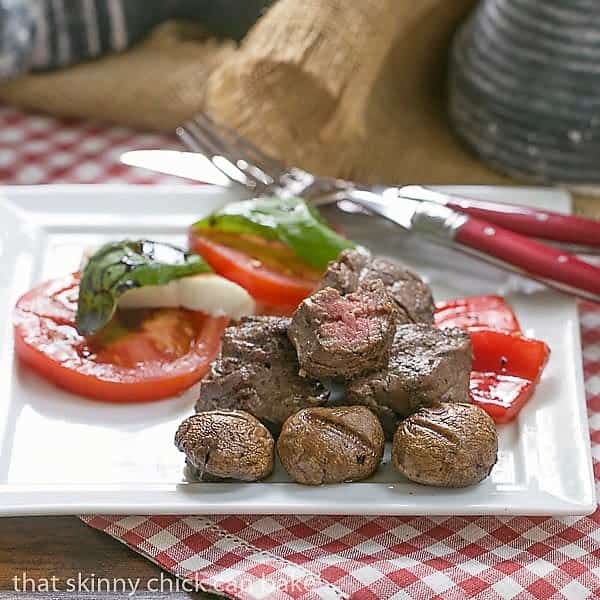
120,266
290,221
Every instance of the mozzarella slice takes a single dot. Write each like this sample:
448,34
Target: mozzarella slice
152,296
207,293
215,295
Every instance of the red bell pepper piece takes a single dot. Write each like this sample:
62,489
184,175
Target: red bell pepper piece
506,365
477,311
508,354
506,369
501,396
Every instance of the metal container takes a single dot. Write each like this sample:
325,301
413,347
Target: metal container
525,88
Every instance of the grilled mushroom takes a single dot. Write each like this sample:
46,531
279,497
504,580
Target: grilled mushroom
226,444
447,445
331,445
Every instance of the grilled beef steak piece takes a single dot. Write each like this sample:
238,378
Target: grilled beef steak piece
226,444
426,365
257,371
344,273
339,336
331,445
448,445
409,291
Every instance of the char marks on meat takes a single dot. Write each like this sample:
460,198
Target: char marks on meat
426,365
257,371
339,336
409,291
343,274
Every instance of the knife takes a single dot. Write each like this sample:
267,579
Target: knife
487,241
190,165
578,233
430,218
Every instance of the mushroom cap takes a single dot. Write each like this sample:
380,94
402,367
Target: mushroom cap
228,444
449,445
331,445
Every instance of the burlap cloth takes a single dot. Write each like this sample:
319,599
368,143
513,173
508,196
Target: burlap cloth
348,89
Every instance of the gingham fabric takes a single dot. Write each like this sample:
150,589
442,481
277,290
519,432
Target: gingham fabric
37,149
284,557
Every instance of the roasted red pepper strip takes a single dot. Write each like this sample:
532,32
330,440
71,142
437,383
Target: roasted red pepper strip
501,396
506,369
477,311
506,365
508,354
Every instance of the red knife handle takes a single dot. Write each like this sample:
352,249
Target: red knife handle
537,259
532,222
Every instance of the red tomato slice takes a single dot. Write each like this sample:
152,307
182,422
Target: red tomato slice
508,353
265,284
501,396
140,356
477,311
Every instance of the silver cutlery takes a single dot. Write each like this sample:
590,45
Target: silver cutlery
490,231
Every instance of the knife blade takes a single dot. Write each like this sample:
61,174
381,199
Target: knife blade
190,165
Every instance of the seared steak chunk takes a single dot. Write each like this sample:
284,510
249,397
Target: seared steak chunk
339,336
331,445
344,273
226,444
448,445
257,371
409,291
426,365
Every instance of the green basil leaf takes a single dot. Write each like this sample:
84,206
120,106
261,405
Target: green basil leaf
120,266
290,221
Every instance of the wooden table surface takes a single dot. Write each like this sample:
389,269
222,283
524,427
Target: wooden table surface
63,547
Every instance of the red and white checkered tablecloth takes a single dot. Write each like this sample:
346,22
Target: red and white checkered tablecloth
37,149
283,557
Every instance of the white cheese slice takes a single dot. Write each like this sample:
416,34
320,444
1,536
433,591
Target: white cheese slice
206,292
152,296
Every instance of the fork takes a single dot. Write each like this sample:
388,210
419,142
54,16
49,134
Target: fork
249,167
429,216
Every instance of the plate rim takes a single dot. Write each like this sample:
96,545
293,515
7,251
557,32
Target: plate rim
18,500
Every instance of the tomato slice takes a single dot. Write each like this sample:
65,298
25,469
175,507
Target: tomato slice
501,396
477,311
265,283
508,353
140,356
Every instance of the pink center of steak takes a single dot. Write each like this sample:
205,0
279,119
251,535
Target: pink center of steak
350,323
341,336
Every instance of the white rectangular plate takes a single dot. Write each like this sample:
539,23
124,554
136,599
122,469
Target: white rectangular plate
63,454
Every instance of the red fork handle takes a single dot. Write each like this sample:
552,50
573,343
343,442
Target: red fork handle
538,260
532,222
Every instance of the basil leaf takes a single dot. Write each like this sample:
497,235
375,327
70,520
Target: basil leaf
120,266
290,221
